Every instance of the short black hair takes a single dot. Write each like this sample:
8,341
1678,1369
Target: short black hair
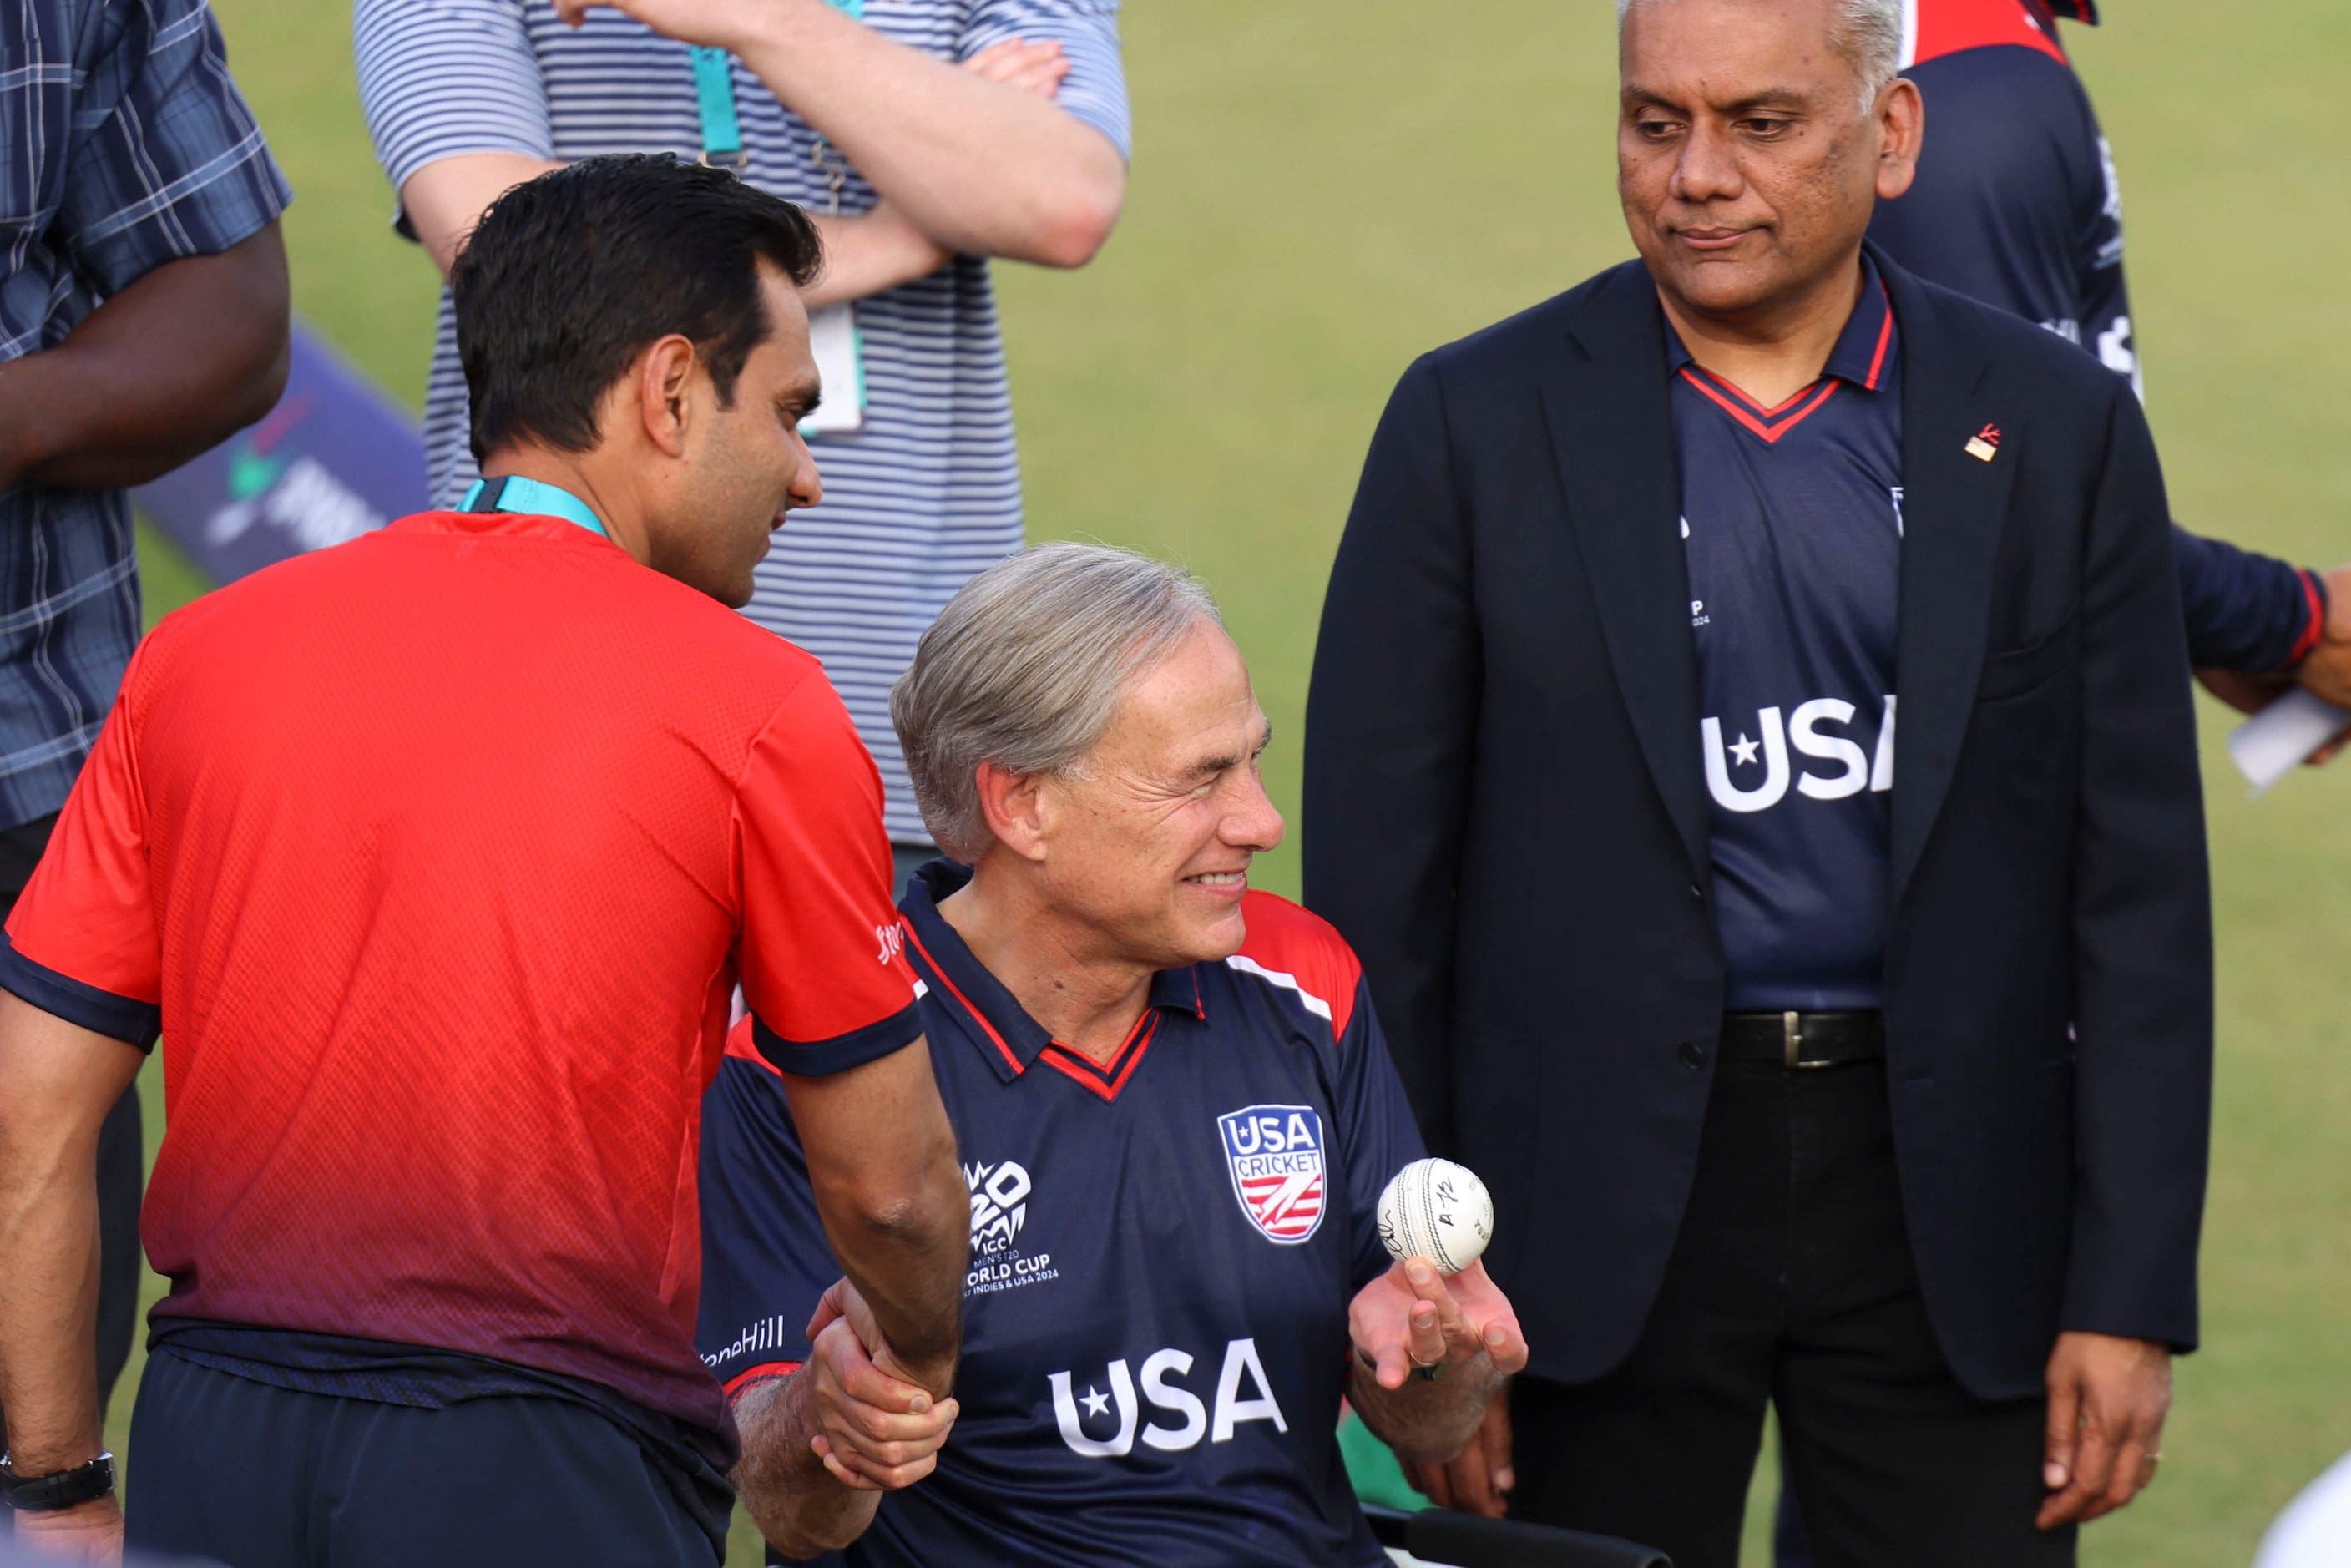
569,275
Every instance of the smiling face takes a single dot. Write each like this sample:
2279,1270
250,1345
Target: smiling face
1147,845
1747,165
745,463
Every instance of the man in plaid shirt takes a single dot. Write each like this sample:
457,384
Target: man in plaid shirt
142,319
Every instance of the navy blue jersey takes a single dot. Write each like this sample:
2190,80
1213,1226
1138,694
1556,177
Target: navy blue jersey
1792,522
1163,1254
2017,203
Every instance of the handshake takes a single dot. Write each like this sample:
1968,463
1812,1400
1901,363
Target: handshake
877,1426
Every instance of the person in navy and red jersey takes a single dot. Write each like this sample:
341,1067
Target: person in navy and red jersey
1175,1111
436,859
2017,203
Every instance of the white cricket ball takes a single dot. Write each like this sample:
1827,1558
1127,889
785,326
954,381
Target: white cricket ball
1438,1210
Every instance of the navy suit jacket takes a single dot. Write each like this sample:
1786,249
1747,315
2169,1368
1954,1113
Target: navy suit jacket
1506,814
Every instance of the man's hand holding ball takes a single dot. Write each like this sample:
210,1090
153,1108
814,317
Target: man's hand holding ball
1433,1332
1413,1322
1436,1220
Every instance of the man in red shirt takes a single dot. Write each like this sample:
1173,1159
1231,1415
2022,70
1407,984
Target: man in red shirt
437,858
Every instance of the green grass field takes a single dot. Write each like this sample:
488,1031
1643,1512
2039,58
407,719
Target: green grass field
1323,188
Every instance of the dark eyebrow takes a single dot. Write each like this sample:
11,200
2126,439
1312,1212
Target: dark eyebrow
801,401
1767,98
1209,767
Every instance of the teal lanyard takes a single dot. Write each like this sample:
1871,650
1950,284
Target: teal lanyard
714,88
714,92
513,492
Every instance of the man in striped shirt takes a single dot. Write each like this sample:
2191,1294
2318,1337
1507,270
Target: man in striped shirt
925,135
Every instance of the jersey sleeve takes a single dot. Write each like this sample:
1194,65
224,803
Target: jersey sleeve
1379,1133
1095,89
1299,953
765,1259
822,960
443,78
2245,610
83,943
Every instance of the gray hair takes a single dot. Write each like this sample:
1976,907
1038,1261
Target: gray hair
1867,33
1026,668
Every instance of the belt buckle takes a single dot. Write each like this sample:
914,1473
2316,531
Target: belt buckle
1791,1043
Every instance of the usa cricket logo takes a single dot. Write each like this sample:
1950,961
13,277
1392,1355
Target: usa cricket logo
1275,1153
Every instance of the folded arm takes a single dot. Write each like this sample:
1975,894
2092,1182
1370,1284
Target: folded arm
864,253
182,359
983,167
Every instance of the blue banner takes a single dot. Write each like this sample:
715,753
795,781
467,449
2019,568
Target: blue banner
336,458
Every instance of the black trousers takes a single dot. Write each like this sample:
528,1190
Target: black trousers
1791,1284
256,1476
121,1154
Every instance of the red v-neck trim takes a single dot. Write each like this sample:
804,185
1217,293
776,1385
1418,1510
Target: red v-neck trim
1769,424
1713,390
1108,1079
1740,392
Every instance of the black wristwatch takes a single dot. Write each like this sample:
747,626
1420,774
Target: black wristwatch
43,1494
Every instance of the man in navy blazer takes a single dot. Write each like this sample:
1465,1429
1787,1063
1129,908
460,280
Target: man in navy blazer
1876,1093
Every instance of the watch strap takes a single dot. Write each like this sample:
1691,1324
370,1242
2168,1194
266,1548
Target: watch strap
63,1489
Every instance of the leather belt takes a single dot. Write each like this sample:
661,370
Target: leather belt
1803,1040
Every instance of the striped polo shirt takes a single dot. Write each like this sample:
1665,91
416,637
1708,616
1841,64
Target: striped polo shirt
928,493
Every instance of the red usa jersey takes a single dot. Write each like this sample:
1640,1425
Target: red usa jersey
436,857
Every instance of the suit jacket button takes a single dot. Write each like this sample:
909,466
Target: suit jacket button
1698,893
1693,1054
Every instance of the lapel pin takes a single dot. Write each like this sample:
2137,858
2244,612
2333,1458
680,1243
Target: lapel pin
1984,444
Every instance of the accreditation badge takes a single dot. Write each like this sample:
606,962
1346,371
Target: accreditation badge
841,362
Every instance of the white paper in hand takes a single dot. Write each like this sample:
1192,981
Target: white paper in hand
2281,737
